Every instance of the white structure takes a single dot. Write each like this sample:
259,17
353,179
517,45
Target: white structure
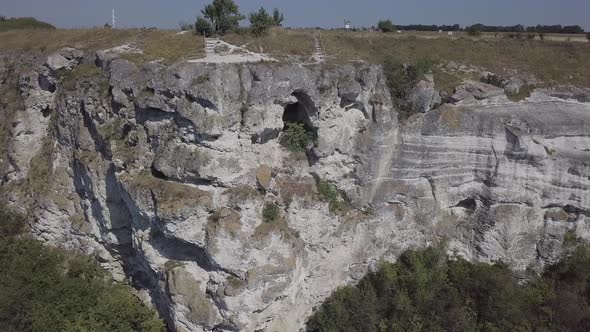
114,19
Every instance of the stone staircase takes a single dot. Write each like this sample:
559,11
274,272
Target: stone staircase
210,44
319,55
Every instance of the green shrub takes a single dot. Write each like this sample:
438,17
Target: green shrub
270,212
277,18
203,27
260,22
21,23
588,36
223,14
426,290
386,26
402,78
45,289
295,138
330,194
474,31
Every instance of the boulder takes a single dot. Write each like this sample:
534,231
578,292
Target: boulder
66,58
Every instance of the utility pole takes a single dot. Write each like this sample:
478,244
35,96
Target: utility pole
114,18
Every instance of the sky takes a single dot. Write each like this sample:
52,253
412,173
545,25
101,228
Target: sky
308,13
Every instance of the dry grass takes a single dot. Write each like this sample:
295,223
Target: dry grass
279,43
156,44
171,196
553,62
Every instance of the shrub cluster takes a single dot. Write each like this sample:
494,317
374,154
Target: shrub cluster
386,26
18,23
43,289
329,193
295,138
270,212
429,291
402,78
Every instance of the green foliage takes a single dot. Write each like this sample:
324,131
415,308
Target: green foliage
44,289
277,18
570,239
588,36
260,22
20,23
295,138
270,212
402,78
329,193
541,35
386,26
474,31
203,27
494,80
223,14
426,290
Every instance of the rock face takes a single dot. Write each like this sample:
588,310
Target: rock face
163,174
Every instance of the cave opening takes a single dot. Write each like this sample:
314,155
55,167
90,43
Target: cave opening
301,112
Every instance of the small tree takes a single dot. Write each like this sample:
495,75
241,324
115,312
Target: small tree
541,35
260,22
277,18
386,26
588,36
203,27
474,31
223,14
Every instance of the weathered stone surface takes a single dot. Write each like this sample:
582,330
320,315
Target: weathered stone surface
424,97
159,175
66,58
475,90
264,176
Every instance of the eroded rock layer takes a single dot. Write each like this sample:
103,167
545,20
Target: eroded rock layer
163,174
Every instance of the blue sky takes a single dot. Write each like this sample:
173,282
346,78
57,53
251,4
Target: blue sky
304,13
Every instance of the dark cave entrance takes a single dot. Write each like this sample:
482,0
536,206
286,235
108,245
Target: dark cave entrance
301,112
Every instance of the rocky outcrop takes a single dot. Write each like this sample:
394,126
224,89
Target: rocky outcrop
166,175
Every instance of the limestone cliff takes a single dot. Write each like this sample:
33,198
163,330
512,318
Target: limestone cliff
162,173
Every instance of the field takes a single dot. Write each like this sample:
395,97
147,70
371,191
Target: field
553,62
156,44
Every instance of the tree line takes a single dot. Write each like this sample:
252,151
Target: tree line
222,16
389,26
426,290
48,289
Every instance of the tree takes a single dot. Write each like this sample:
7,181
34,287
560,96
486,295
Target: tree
277,18
474,30
588,36
260,22
223,14
203,26
386,26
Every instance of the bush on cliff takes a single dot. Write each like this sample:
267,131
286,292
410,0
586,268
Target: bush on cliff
429,291
295,138
45,289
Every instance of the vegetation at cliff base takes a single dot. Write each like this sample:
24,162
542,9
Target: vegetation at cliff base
428,291
45,289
